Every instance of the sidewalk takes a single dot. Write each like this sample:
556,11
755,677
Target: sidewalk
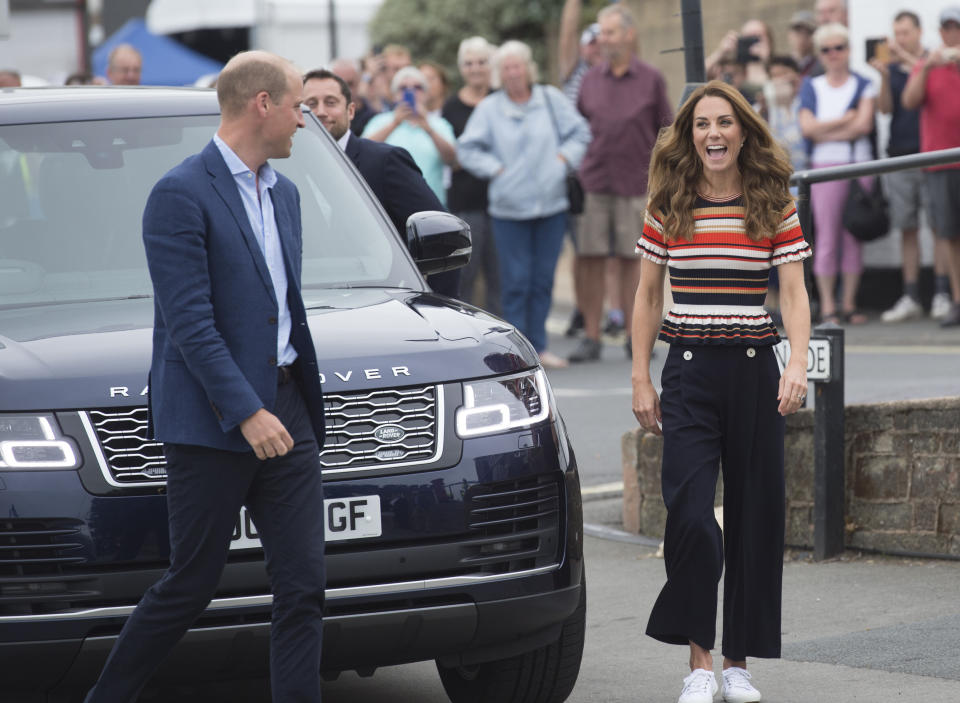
856,628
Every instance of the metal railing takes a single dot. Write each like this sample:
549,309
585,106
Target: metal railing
829,489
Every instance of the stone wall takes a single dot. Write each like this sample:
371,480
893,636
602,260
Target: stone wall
902,476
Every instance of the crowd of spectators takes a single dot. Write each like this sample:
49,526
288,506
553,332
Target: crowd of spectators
497,151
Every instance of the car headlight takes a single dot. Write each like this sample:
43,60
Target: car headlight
34,442
506,403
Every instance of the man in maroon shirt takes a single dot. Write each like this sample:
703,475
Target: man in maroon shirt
625,102
934,87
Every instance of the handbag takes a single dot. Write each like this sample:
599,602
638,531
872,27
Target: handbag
865,212
575,196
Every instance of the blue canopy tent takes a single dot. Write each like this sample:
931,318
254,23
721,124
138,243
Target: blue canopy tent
165,61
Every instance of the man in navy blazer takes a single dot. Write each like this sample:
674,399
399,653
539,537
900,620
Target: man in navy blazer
390,171
234,387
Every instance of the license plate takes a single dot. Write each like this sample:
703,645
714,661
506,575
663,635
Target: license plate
352,518
344,518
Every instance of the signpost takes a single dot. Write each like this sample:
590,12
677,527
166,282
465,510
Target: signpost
825,368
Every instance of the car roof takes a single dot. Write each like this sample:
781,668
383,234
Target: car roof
75,103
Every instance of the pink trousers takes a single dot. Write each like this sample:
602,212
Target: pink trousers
835,249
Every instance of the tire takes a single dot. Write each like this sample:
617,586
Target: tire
545,675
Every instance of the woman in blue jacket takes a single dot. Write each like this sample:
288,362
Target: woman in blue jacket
524,139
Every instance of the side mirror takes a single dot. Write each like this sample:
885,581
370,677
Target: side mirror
438,241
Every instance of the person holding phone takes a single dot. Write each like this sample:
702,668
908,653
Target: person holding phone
428,138
751,48
934,88
894,60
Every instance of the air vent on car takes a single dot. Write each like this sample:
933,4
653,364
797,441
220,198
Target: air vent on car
517,522
35,561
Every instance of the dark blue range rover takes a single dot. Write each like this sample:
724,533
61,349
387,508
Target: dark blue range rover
453,515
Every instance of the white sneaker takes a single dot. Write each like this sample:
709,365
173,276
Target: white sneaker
940,307
699,687
737,687
904,309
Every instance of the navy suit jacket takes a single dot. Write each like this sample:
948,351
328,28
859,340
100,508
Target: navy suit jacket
396,180
215,313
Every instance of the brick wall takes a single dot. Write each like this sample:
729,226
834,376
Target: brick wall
902,471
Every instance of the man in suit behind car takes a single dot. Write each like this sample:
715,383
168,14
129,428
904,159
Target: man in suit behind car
390,171
234,387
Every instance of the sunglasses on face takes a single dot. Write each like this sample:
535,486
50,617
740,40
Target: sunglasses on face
835,48
411,87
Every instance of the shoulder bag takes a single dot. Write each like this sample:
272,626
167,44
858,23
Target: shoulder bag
865,213
575,195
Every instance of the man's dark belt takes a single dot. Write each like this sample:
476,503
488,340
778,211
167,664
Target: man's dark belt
284,374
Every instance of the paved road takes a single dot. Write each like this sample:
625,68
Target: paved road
855,629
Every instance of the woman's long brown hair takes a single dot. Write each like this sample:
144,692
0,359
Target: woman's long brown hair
676,169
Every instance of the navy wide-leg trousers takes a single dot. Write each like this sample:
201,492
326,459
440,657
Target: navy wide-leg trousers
719,406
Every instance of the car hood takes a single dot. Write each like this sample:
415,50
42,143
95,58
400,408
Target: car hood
97,354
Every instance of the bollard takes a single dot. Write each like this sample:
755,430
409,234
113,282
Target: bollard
825,369
828,477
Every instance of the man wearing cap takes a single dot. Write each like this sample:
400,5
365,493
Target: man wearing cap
800,38
625,101
934,87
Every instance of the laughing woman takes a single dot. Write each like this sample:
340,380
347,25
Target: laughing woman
719,217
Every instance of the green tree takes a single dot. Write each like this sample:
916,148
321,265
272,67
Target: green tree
433,29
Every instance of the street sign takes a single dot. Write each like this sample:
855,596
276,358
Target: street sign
818,358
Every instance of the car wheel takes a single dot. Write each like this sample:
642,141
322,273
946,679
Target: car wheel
545,675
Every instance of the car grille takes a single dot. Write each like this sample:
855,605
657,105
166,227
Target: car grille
35,560
365,430
517,524
380,427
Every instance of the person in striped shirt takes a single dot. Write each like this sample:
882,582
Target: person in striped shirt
719,217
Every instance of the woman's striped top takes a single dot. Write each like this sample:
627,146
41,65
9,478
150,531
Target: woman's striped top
719,279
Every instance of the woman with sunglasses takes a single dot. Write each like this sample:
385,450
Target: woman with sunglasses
429,139
836,117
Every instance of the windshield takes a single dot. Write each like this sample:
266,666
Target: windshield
73,195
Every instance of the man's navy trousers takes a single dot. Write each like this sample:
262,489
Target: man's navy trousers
205,489
719,408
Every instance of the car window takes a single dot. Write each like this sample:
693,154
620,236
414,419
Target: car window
73,195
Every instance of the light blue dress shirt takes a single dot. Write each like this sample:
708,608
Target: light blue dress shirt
259,208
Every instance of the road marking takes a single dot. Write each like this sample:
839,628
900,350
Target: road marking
604,532
612,487
589,392
900,349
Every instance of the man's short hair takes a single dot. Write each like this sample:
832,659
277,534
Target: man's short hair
785,61
627,20
322,74
111,57
908,15
247,74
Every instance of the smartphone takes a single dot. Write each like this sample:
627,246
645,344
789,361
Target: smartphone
410,98
877,48
743,49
